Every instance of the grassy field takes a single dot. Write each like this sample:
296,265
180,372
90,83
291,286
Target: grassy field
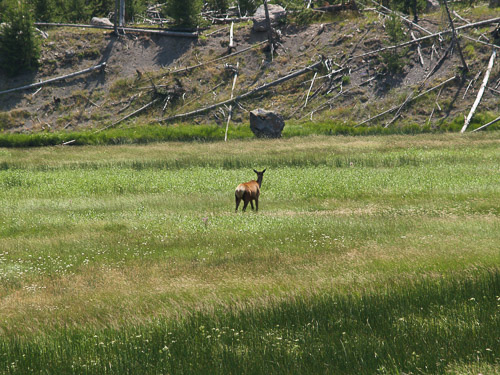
368,255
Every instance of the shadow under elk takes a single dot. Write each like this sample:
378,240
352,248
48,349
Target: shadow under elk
249,192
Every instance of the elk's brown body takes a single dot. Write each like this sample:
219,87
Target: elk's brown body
249,192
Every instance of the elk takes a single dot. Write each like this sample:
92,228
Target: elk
249,192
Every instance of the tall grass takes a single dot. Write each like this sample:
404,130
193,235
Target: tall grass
426,326
369,255
188,132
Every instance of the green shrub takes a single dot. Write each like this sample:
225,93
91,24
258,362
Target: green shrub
101,8
133,8
305,16
394,60
43,9
184,12
247,7
219,6
19,47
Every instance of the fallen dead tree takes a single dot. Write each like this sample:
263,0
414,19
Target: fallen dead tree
411,23
192,67
480,92
181,34
410,42
420,86
486,125
39,84
324,105
409,100
336,7
143,108
247,94
228,20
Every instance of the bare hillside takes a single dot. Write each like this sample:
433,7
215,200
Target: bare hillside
352,85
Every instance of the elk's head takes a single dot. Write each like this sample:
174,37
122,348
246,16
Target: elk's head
260,175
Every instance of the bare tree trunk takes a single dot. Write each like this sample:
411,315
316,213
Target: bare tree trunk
494,3
122,13
116,17
269,29
230,105
454,36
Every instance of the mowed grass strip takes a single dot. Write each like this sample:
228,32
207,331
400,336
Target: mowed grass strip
111,238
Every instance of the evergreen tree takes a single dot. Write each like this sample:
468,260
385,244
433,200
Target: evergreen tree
43,10
219,6
247,7
184,12
394,59
19,47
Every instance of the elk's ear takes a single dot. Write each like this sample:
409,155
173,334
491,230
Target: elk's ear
255,171
264,170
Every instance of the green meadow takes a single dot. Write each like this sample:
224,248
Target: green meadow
369,255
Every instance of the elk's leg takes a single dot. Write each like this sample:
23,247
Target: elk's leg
238,200
245,205
256,204
251,204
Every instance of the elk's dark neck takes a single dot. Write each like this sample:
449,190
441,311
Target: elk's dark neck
259,180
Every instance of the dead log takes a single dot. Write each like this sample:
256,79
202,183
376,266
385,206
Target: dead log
481,91
181,34
129,103
129,115
413,24
410,42
231,42
421,85
436,104
71,75
187,69
247,94
230,105
337,7
410,100
228,20
310,87
336,96
480,41
464,20
269,30
471,82
486,125
419,50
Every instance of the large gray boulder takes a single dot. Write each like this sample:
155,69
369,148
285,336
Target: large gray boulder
96,21
432,5
266,124
276,12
